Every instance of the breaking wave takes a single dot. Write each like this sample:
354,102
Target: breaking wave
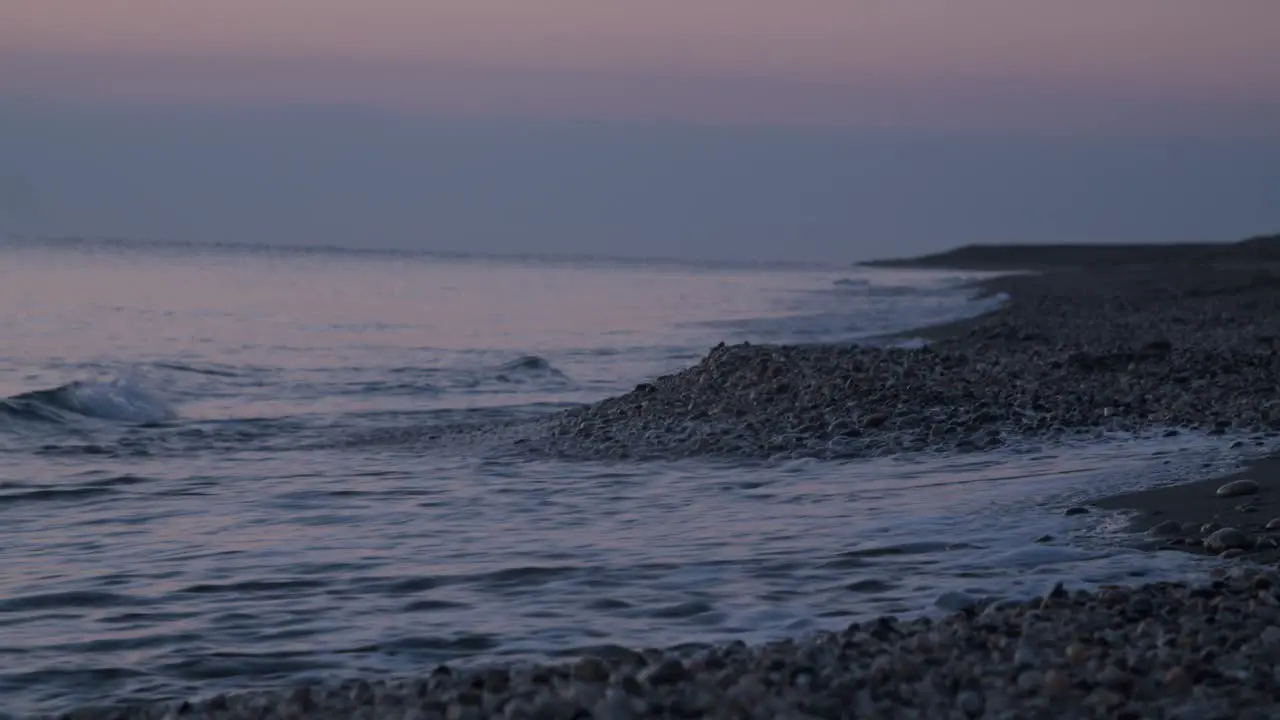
119,400
528,367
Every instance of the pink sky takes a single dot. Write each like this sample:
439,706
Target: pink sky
877,61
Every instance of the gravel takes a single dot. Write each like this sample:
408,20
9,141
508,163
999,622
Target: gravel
1075,354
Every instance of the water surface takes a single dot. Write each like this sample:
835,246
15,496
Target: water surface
184,507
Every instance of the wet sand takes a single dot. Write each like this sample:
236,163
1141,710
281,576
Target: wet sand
1196,504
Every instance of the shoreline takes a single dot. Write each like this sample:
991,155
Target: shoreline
1158,649
1010,283
1242,507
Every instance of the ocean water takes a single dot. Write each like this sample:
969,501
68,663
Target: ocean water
186,505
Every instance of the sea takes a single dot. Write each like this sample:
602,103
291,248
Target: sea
209,479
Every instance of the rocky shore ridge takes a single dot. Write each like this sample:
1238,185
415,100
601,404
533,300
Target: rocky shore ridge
1076,353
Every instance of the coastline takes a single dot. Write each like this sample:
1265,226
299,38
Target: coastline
1007,257
1012,284
1151,650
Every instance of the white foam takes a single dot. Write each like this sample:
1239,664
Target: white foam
125,399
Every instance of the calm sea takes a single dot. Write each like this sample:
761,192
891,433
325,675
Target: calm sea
186,506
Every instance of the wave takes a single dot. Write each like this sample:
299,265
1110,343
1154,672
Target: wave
528,367
441,380
120,400
196,370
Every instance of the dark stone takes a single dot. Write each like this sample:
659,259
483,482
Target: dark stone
875,420
300,698
667,672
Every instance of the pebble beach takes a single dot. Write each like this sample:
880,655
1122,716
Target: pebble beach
1154,348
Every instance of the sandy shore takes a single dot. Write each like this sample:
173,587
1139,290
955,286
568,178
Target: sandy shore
1160,346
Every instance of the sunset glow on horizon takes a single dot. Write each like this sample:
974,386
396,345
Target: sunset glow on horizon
805,60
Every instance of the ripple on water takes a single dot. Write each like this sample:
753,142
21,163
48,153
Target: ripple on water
534,560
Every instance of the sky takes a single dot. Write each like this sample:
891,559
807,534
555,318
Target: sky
827,130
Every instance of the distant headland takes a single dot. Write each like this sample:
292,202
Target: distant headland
1261,248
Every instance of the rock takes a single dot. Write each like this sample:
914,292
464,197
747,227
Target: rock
301,699
1030,681
495,680
1273,524
1236,488
1228,539
1077,510
875,420
1057,683
1057,592
1168,527
667,672
1077,654
1141,606
1157,348
1176,680
971,703
1270,637
590,669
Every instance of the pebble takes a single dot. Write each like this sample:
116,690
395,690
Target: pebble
1236,488
667,672
1228,539
970,703
590,669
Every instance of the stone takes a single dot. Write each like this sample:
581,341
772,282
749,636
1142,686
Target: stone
1168,527
1176,680
875,420
667,672
590,669
1228,539
1077,510
971,703
955,601
1237,488
1057,682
